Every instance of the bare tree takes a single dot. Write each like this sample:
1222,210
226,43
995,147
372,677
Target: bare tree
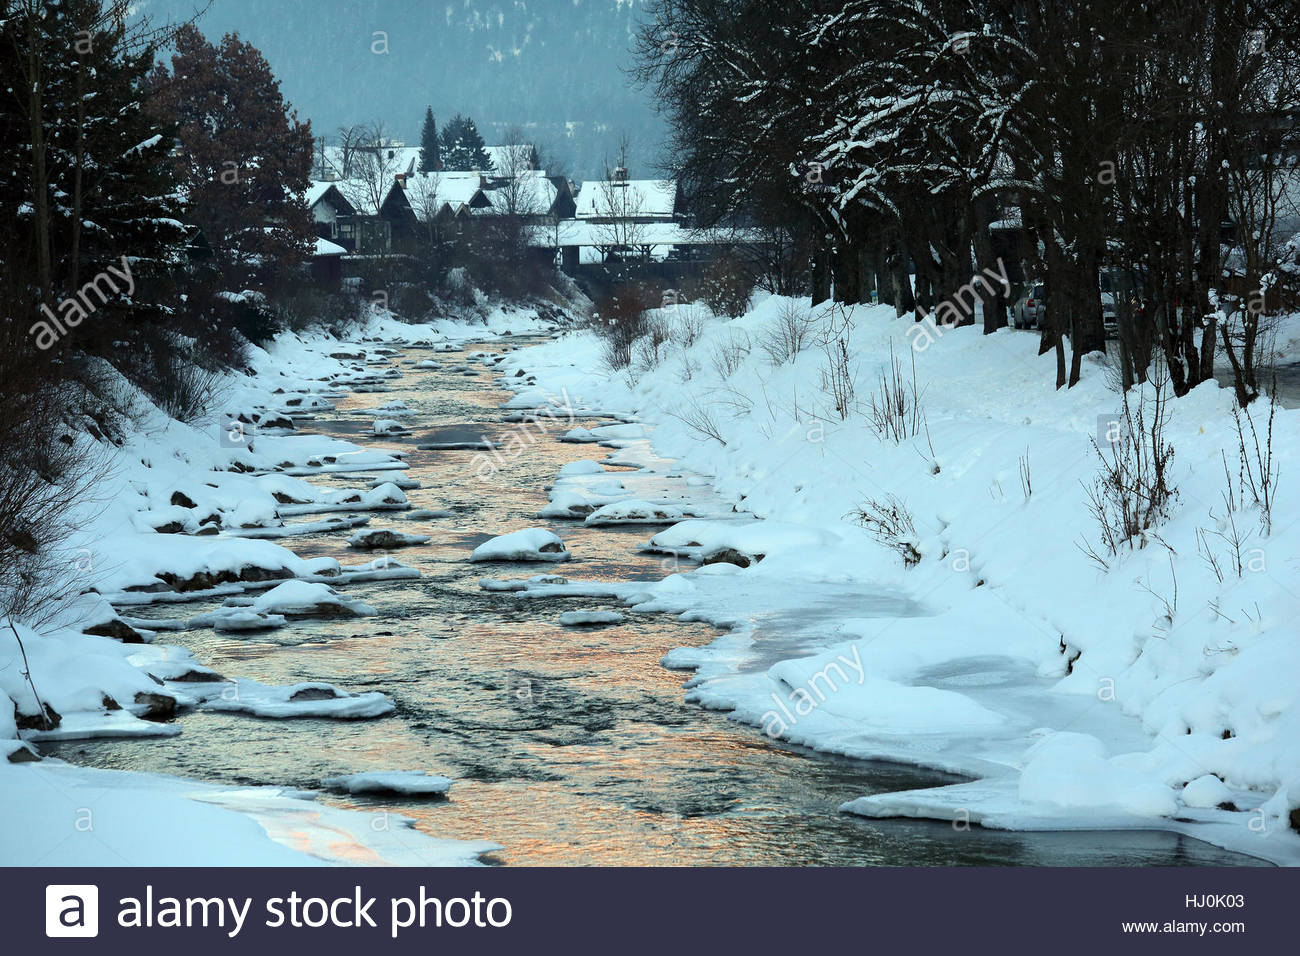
374,165
618,206
423,192
350,139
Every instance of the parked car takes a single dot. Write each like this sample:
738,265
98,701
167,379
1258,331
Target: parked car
1027,313
1118,286
1109,317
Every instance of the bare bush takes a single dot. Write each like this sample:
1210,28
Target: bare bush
726,286
44,473
729,356
1257,473
890,523
688,323
789,334
1132,494
837,378
649,351
896,412
702,421
620,319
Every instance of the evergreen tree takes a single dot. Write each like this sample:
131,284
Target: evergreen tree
245,159
88,187
89,233
430,148
463,148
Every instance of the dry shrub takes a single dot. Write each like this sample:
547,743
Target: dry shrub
896,411
789,334
620,319
729,355
650,350
1132,495
726,286
44,473
687,322
890,523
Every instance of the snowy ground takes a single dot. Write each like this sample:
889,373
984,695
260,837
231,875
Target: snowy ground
1150,694
186,512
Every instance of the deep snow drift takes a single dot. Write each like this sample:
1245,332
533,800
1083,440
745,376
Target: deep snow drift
1160,691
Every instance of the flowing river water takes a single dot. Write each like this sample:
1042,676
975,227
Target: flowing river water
568,746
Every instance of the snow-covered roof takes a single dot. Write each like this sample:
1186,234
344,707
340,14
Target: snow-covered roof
628,199
363,195
393,160
576,232
533,195
319,190
326,248
447,188
316,191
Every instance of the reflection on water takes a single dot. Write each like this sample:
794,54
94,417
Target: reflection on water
568,746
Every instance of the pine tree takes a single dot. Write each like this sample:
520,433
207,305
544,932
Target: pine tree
245,159
463,148
430,148
92,190
85,188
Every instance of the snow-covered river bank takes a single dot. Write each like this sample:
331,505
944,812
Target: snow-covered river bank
566,739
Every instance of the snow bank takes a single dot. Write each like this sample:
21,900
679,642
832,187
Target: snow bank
1013,637
150,820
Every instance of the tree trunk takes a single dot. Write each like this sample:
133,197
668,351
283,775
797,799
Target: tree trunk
995,306
819,276
844,269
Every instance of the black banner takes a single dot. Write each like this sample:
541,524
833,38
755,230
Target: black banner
496,910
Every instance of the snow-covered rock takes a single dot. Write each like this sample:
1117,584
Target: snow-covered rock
308,599
385,538
529,544
307,699
590,618
634,512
